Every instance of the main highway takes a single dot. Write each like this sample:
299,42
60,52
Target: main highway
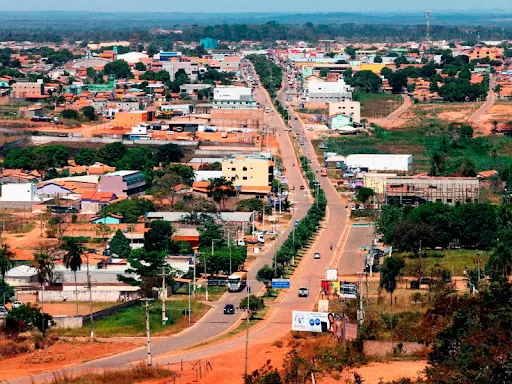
334,230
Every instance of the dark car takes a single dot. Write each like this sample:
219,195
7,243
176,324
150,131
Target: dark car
302,188
229,309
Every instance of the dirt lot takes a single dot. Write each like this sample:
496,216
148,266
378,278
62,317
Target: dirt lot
69,309
58,356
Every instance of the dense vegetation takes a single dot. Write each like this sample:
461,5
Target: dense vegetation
269,73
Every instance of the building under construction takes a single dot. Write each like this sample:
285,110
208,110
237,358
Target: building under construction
416,191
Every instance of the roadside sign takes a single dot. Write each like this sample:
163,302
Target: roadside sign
280,283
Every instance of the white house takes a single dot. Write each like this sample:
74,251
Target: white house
19,192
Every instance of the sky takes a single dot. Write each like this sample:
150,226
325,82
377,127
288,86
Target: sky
288,6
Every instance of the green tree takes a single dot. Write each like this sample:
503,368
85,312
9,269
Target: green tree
158,238
6,290
6,263
366,81
146,266
73,260
44,265
120,245
208,232
140,66
253,304
130,209
85,156
119,69
250,205
185,172
170,153
110,154
89,113
500,261
398,81
165,186
70,114
138,158
221,189
26,318
377,59
363,194
324,72
388,274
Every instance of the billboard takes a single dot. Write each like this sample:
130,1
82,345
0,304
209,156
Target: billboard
330,287
313,321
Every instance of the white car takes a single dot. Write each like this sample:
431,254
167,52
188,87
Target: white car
317,255
17,304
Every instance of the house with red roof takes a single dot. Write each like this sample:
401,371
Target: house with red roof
94,201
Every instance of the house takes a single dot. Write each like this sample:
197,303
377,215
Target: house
110,218
123,183
21,275
20,192
94,201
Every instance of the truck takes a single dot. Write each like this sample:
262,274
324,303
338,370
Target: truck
237,281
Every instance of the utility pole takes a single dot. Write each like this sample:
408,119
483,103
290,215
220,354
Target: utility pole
146,307
229,246
195,261
478,256
247,330
90,299
163,295
360,311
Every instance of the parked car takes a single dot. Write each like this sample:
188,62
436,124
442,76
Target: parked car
317,255
3,311
229,309
17,304
303,292
302,188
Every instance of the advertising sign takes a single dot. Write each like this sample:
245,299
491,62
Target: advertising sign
323,305
330,287
280,283
331,274
313,321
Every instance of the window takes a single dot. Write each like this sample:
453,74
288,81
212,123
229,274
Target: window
244,169
244,178
233,169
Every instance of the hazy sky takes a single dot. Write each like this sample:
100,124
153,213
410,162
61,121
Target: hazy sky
252,5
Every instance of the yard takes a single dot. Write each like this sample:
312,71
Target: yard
132,321
423,140
375,105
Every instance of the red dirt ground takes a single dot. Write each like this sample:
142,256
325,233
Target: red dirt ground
57,357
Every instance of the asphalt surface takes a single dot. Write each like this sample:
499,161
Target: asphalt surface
309,274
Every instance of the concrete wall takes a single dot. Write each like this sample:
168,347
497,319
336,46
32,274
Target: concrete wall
385,348
38,140
83,296
68,321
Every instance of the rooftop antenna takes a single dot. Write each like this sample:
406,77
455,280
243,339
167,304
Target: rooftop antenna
428,26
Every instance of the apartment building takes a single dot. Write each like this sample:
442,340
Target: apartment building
420,190
248,171
123,183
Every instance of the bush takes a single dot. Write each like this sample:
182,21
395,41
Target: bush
70,114
255,304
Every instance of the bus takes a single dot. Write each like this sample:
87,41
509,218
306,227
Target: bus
237,281
323,172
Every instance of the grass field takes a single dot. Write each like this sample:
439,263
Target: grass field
132,321
422,141
377,105
454,260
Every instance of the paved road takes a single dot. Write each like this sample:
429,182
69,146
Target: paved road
215,322
309,273
489,102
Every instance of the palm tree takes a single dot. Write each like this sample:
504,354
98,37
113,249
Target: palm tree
44,265
6,263
501,258
73,260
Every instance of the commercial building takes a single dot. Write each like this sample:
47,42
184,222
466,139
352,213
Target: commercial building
325,92
378,162
131,118
248,172
447,190
123,183
346,108
377,181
